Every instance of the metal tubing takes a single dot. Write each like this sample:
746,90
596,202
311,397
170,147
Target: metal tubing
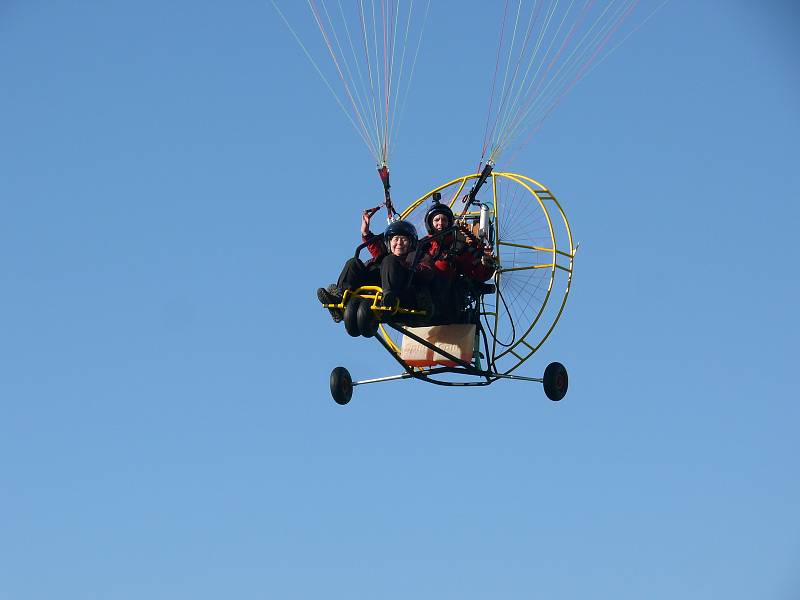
487,169
517,377
380,379
453,383
430,346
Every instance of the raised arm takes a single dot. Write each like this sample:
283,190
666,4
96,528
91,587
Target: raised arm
366,217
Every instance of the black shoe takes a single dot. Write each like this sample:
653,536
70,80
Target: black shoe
332,289
325,296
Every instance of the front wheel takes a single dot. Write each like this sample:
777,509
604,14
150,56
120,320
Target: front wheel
351,316
365,318
555,381
341,385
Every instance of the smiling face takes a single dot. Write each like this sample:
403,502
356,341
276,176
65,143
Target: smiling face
440,221
399,245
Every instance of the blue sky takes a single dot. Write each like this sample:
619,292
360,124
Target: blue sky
175,184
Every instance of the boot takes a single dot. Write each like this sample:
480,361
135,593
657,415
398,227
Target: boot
331,296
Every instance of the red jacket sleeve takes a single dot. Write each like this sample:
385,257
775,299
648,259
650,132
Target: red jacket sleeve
442,266
469,263
375,244
480,272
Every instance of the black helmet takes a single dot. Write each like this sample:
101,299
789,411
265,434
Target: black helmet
437,209
401,228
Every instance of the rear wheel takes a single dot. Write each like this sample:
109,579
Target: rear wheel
341,385
555,381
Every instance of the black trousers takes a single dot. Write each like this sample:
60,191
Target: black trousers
391,273
448,299
355,274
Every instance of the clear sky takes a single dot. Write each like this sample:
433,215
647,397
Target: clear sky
175,183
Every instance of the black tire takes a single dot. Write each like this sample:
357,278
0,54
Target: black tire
555,381
351,316
365,318
341,385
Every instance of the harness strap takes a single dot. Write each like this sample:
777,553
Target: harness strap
383,173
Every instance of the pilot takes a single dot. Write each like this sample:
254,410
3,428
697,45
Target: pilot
458,262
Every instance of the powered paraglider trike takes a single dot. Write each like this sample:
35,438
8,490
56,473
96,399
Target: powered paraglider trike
504,322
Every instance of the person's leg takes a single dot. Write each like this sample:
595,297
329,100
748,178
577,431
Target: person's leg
353,275
457,300
350,278
395,279
442,299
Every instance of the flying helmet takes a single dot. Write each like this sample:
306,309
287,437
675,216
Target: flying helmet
401,228
437,208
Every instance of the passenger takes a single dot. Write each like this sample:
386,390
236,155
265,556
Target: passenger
457,260
391,267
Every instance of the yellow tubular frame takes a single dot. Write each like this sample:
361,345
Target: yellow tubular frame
544,198
373,294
